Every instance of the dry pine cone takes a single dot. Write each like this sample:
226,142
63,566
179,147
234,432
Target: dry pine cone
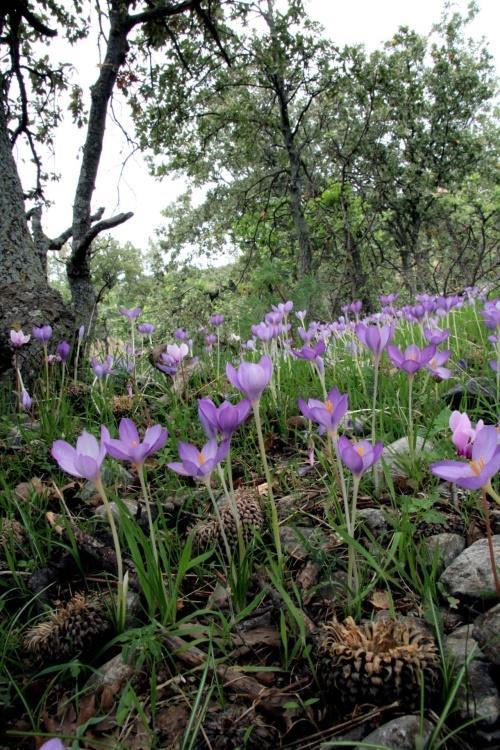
251,518
376,662
122,406
76,629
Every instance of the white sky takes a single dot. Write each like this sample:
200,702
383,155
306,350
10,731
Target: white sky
346,21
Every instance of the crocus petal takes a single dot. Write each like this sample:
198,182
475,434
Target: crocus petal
118,449
485,444
128,432
88,445
65,455
178,468
87,466
188,452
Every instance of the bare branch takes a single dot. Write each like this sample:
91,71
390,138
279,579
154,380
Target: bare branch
58,242
105,224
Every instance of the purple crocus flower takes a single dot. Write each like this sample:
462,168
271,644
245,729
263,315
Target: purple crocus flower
491,313
18,338
81,333
223,420
484,463
217,320
129,447
413,358
177,352
301,315
359,456
101,369
199,464
181,335
63,349
264,331
463,433
146,328
167,364
42,334
374,338
131,313
26,400
436,335
310,353
251,378
436,363
210,339
53,744
84,461
327,414
388,299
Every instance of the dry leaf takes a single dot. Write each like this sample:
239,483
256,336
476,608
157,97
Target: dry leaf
381,600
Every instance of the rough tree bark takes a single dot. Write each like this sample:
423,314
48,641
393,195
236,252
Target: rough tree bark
25,296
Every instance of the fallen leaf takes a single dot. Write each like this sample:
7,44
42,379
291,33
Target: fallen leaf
381,600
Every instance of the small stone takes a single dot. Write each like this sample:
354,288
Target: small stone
477,697
115,671
396,456
374,520
445,546
131,506
402,733
470,574
487,633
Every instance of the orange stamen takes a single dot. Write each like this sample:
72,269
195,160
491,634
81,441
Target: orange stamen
477,466
201,458
329,406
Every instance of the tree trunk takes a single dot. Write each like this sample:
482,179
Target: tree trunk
78,266
26,299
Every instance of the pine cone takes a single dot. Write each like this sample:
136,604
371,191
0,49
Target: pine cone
227,730
77,394
76,629
251,518
11,531
376,662
122,406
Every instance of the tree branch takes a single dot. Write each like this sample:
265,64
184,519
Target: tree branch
105,224
159,12
58,242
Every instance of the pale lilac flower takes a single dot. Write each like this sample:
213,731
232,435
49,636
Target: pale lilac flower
463,433
251,378
199,463
413,358
146,328
63,349
18,338
42,333
374,338
435,365
181,335
484,463
388,299
177,352
436,335
491,313
53,744
26,400
359,456
131,313
217,320
84,461
129,446
101,369
327,414
223,420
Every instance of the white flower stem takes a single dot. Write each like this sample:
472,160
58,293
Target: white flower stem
145,493
121,603
272,505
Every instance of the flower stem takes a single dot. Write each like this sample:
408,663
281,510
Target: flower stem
274,513
411,437
219,519
343,487
374,418
352,566
491,549
121,604
234,510
491,492
145,493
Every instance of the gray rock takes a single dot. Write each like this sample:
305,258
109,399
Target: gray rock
400,734
396,456
116,671
470,575
477,696
374,520
446,547
131,506
486,631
